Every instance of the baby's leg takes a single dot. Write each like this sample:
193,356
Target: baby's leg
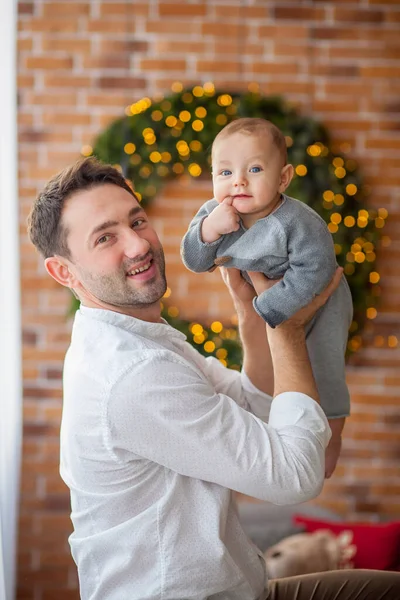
326,343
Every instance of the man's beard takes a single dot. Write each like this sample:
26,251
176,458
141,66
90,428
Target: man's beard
118,290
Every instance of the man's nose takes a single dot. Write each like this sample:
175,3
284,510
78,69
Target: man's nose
135,244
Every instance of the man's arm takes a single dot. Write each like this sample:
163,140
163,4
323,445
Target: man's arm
257,362
335,445
176,419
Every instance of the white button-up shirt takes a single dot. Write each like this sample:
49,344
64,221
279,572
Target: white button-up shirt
153,439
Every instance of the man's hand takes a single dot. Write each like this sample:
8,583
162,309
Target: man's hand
305,314
239,288
223,219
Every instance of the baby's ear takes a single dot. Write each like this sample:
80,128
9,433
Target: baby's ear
286,177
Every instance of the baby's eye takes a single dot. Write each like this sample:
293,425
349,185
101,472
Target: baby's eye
255,170
226,172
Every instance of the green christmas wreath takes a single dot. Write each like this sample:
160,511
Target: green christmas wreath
164,137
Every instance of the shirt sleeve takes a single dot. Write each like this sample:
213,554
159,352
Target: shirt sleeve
232,383
199,256
312,264
170,414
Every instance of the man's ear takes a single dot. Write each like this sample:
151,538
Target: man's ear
57,268
286,177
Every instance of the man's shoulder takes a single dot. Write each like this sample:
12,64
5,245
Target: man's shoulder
102,351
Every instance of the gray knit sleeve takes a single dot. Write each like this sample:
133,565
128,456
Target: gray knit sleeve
199,256
312,263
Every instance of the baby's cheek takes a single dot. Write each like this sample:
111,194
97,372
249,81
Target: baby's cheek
219,194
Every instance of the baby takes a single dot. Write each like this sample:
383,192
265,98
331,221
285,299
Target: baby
253,226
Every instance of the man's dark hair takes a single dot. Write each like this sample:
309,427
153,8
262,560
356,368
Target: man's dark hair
45,227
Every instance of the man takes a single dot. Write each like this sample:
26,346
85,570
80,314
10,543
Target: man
154,437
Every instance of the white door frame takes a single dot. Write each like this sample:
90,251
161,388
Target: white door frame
10,320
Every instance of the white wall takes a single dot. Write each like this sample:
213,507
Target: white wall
10,329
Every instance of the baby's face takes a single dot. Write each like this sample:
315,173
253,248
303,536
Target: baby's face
248,168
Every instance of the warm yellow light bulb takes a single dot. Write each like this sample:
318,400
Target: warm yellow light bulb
86,150
351,189
301,170
349,221
194,170
196,329
374,277
216,327
197,125
177,87
209,346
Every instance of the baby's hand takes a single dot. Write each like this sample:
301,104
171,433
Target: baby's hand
223,219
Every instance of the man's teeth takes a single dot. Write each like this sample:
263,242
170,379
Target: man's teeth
140,269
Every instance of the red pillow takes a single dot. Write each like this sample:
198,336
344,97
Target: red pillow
378,544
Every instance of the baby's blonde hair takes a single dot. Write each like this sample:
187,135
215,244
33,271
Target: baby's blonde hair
255,126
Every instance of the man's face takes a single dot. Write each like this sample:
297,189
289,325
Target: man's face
116,256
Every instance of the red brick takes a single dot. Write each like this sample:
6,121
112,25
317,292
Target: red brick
225,48
180,9
122,46
46,62
173,27
128,83
291,32
358,16
335,70
162,65
70,45
111,61
289,68
301,13
179,47
109,26
24,44
226,30
65,81
383,143
122,9
241,12
213,66
68,9
387,71
54,25
25,8
25,81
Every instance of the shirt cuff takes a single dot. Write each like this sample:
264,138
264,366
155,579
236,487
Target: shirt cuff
297,409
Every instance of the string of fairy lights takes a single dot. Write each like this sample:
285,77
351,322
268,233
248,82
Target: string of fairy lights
165,137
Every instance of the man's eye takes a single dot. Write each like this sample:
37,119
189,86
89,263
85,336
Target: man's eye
226,172
104,238
255,170
138,222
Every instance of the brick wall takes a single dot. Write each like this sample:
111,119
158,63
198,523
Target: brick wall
79,64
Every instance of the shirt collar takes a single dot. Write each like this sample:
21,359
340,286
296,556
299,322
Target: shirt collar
145,328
